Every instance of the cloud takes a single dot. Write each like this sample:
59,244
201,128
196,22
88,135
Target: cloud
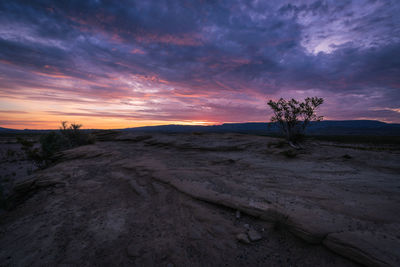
194,54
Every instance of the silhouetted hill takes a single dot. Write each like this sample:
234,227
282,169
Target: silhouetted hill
353,127
350,127
26,131
3,130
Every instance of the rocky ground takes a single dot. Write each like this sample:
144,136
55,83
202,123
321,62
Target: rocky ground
205,200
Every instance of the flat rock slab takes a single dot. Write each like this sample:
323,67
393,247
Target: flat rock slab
370,249
319,196
325,196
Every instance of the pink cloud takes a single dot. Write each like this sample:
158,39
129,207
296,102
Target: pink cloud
138,51
177,39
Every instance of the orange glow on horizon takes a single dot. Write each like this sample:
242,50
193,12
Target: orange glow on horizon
53,125
40,121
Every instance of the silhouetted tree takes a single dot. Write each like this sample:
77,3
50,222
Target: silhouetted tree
293,116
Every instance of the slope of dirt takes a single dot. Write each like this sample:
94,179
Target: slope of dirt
173,200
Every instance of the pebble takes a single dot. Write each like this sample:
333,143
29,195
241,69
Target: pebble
254,235
133,250
237,214
243,238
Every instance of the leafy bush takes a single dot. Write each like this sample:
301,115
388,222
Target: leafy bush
28,147
51,143
74,136
10,153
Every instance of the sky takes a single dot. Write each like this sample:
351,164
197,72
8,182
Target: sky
119,64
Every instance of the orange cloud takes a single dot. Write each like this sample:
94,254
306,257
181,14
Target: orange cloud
53,75
138,51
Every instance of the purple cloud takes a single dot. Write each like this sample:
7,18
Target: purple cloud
211,61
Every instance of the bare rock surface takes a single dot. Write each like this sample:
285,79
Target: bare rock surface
254,235
371,248
152,200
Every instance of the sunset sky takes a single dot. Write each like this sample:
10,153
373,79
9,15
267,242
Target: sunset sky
118,64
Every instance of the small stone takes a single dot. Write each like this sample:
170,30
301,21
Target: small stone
237,214
133,250
246,226
243,238
254,235
195,234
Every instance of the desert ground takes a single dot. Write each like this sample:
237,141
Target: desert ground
202,200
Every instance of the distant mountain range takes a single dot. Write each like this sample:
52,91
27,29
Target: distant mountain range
8,130
350,127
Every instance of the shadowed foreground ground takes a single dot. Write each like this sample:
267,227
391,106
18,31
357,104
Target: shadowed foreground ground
172,200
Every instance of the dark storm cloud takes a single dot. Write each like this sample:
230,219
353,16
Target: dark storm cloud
211,50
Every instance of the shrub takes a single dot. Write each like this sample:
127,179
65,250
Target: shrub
74,136
28,147
293,116
10,153
51,143
26,144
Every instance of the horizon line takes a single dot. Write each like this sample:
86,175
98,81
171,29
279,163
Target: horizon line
172,124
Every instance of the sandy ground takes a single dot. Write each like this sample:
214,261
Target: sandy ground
173,200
